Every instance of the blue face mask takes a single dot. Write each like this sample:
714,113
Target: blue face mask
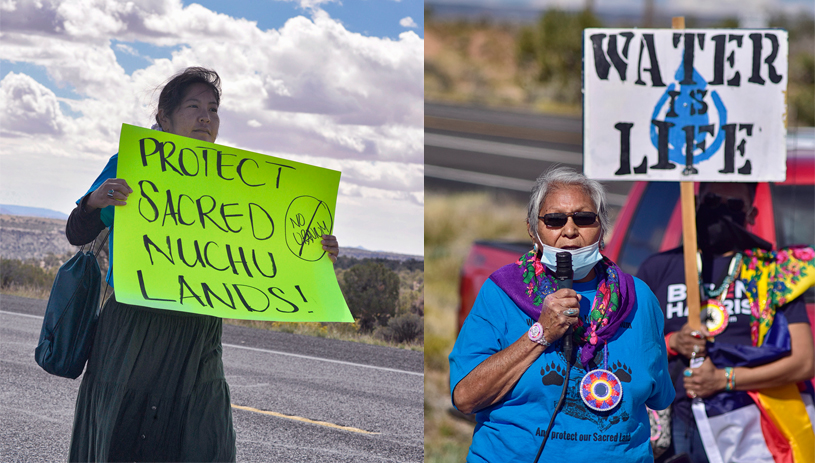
583,259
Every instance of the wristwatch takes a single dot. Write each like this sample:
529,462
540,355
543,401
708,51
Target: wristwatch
536,335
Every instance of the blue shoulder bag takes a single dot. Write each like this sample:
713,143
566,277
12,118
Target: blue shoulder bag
70,318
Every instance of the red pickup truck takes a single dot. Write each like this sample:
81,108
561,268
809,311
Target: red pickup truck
651,222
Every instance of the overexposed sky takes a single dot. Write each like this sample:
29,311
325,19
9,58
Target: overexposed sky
334,84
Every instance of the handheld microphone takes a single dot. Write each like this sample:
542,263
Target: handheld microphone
565,277
563,270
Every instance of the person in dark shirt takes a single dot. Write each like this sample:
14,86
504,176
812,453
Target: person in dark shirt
735,320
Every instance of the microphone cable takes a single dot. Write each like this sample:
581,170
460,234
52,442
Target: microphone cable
567,351
564,277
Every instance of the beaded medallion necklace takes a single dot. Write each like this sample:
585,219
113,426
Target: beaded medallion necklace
715,314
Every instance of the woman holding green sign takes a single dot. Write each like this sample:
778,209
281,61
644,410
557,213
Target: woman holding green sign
154,388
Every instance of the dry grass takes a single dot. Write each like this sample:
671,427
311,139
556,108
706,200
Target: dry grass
341,331
31,292
471,63
452,223
43,293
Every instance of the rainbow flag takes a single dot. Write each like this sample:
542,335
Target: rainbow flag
758,426
774,424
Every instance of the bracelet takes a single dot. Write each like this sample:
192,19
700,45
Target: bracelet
730,377
659,426
671,352
535,334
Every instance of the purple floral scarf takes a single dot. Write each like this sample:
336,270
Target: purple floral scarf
527,282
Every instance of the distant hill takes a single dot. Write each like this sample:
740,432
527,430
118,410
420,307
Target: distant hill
32,237
36,237
611,16
361,253
8,209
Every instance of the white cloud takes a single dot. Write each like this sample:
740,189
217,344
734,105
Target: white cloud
127,49
374,193
314,4
310,90
408,22
28,107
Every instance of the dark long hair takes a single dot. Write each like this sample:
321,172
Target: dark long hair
176,88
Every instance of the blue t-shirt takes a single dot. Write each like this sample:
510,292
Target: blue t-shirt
108,212
513,429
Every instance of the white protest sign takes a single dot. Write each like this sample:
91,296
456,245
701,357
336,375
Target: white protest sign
685,105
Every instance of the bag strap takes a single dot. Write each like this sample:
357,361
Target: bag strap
104,240
95,254
90,246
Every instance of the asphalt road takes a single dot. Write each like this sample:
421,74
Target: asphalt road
295,398
471,148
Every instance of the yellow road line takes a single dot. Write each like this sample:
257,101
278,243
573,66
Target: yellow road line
304,420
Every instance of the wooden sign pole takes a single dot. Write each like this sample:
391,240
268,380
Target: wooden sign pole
689,244
689,235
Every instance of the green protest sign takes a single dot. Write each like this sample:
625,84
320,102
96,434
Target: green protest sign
221,231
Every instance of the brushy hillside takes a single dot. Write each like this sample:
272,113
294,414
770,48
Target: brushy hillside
538,66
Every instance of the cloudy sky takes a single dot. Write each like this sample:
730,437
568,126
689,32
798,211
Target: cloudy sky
329,83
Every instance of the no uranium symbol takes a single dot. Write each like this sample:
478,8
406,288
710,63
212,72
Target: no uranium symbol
688,108
307,220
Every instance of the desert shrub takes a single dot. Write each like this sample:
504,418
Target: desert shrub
405,328
372,293
554,48
418,305
16,273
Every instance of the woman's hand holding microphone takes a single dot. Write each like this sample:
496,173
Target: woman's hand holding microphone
561,311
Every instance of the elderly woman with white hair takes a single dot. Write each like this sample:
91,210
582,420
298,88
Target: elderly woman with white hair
560,368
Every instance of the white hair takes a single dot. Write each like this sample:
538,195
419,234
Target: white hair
560,177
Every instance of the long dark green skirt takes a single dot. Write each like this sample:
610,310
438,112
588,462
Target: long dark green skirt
154,389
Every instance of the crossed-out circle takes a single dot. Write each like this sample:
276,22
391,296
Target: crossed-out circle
307,219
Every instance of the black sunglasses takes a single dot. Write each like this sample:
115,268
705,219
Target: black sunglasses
712,200
559,219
